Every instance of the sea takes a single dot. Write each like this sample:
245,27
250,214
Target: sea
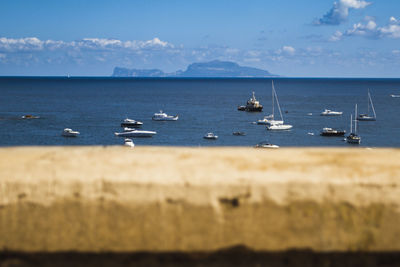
96,106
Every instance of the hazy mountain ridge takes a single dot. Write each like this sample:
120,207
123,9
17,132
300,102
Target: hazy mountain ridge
214,68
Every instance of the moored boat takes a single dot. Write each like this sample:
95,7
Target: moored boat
328,112
252,105
131,123
368,117
67,132
266,145
272,124
239,133
353,137
136,133
29,116
210,136
161,116
332,132
128,142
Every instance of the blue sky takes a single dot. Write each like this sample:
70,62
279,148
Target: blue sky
295,38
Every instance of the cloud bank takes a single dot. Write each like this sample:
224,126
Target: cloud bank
340,12
370,29
34,44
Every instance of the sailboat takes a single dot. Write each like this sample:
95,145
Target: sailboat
277,124
268,120
367,117
353,138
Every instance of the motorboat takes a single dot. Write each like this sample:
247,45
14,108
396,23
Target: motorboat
161,116
266,145
328,112
128,142
332,132
131,123
353,138
368,117
273,124
239,133
127,129
29,116
136,133
67,132
395,95
210,136
252,105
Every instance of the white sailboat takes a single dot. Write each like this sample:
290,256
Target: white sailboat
277,124
367,117
353,138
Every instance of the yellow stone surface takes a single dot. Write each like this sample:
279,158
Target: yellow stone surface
98,199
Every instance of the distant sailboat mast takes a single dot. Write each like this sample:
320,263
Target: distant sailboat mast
351,123
277,101
355,121
372,104
273,104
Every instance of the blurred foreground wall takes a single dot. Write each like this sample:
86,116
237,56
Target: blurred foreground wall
150,206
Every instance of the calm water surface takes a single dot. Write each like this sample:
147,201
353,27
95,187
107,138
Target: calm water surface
96,107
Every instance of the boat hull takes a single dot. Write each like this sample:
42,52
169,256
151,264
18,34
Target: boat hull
332,114
366,118
136,134
337,133
165,119
130,124
254,109
279,127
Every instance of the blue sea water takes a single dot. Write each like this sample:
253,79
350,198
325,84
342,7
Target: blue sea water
97,106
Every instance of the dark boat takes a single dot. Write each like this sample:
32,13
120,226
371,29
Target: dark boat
252,105
239,133
131,123
332,132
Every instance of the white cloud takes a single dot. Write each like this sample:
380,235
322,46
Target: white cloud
287,50
340,12
370,29
35,44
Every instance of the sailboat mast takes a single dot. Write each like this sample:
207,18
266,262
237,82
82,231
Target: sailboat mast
372,104
355,121
351,123
273,104
368,100
277,102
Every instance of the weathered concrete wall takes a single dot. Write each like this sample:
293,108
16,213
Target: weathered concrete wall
97,199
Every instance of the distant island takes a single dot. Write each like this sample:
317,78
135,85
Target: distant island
214,68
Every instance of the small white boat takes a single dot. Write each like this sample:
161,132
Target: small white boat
131,123
279,127
161,116
328,112
136,133
128,142
67,132
265,145
210,136
266,120
395,95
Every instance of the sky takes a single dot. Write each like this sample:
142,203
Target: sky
292,38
